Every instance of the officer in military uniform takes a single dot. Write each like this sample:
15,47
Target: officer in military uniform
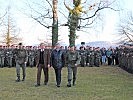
97,55
31,57
72,60
87,55
83,55
21,60
9,56
2,56
91,55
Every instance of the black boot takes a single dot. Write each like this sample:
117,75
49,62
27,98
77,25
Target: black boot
73,82
18,79
69,83
23,78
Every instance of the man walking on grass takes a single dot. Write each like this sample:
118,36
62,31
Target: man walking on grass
43,62
72,60
21,60
57,62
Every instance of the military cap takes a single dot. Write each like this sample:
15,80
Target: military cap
71,45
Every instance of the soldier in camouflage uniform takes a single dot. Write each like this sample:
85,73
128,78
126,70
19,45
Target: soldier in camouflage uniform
2,57
31,57
120,52
9,56
83,55
35,55
21,60
91,59
72,61
131,58
97,55
87,55
14,55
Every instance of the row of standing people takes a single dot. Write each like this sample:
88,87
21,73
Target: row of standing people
8,56
91,56
126,58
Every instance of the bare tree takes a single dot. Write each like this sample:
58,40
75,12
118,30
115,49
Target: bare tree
126,28
45,13
9,31
79,18
48,18
2,18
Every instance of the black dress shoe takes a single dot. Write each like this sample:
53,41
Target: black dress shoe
37,85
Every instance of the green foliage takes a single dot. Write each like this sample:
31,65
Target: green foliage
93,83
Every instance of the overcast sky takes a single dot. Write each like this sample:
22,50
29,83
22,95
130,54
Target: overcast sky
34,33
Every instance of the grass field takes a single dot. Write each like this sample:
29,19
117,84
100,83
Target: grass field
93,83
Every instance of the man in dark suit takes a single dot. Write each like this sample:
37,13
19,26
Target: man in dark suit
43,62
57,62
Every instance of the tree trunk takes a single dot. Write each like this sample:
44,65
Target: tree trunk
55,24
73,26
8,30
54,33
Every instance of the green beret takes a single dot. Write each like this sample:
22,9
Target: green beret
72,45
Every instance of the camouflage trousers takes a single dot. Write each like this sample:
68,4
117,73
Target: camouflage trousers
97,61
2,61
72,71
31,61
18,69
9,61
91,62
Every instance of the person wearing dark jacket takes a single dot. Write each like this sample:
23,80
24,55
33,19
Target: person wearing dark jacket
57,62
43,62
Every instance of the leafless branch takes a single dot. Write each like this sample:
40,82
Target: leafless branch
99,9
36,19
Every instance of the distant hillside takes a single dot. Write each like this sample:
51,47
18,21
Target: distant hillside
100,44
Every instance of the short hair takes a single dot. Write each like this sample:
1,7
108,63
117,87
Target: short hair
42,44
20,44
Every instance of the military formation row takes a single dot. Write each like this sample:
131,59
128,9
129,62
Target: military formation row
8,57
89,56
126,58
